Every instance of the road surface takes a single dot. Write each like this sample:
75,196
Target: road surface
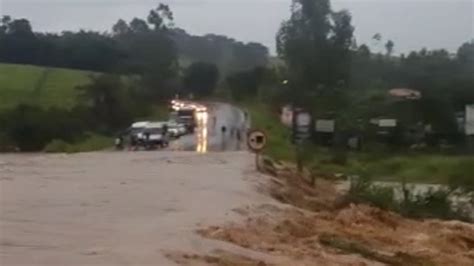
209,135
118,208
126,208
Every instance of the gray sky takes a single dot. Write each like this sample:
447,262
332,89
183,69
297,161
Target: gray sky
411,24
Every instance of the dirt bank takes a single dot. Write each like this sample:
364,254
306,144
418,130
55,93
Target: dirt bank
316,228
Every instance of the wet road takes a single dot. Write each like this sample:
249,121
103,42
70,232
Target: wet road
221,128
127,208
119,208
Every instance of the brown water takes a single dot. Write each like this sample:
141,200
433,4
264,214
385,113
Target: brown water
117,208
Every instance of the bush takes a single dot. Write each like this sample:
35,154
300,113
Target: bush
92,143
30,128
89,143
57,146
462,176
363,191
434,203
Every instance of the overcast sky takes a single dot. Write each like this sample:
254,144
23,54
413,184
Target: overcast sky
411,24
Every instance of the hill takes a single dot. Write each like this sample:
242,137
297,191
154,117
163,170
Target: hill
43,86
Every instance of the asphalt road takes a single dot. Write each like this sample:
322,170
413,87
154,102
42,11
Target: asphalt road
222,128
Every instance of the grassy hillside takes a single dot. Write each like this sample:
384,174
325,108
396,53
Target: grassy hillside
39,85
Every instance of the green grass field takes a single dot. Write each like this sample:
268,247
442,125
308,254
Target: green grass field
47,87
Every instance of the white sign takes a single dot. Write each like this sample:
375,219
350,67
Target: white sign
387,123
287,116
303,120
469,126
324,125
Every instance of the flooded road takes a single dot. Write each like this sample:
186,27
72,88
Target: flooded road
117,208
126,208
221,128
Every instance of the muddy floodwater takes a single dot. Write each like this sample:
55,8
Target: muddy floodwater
117,208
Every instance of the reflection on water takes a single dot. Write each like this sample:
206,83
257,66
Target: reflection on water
201,132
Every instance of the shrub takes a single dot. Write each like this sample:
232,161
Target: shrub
6,144
461,176
57,146
433,203
363,191
30,128
91,142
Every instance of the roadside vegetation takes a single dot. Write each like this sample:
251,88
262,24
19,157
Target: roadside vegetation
365,170
278,146
329,76
89,142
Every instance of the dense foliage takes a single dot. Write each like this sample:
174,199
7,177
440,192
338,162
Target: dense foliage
201,79
144,62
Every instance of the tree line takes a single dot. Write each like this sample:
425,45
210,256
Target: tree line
326,72
138,65
320,67
122,49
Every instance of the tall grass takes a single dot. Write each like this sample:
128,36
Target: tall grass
278,145
421,168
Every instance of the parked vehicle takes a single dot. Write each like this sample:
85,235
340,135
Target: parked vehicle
187,118
175,129
135,133
155,135
136,129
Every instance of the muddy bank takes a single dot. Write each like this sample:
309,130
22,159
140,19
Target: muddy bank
316,227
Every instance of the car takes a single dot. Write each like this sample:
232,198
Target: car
135,131
186,117
154,135
137,127
176,129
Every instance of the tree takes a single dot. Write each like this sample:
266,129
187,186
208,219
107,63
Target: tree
152,54
154,57
20,27
377,37
245,84
107,98
4,22
248,56
201,78
18,42
364,51
138,26
389,47
226,53
161,17
121,28
315,44
465,54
